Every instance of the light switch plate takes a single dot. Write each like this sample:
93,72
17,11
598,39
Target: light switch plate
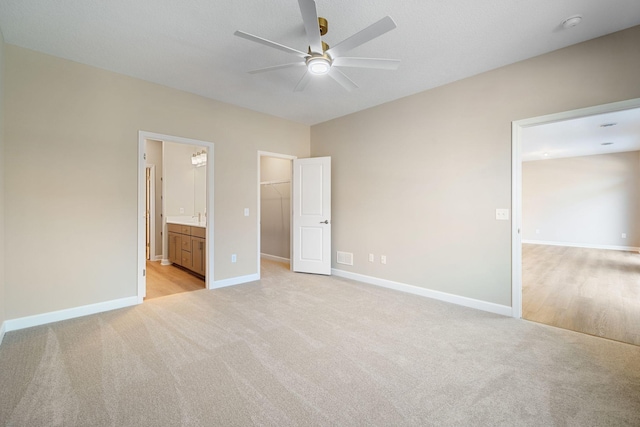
502,214
246,211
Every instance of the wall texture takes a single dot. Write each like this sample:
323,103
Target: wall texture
275,207
71,139
419,179
588,200
3,299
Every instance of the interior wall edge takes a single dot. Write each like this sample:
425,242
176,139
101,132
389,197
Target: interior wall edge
232,281
425,292
69,313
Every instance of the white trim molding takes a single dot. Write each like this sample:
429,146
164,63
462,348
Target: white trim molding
583,245
70,313
235,281
274,258
424,292
3,328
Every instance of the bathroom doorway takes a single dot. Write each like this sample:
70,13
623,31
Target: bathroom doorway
175,203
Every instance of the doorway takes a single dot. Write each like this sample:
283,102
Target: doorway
578,228
274,207
188,213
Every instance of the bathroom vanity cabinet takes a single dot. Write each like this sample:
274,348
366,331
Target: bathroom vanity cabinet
187,247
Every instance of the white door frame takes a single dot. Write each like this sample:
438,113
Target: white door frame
142,137
516,183
278,156
152,212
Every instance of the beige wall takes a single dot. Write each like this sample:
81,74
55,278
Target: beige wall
3,300
589,200
71,136
275,207
179,180
419,179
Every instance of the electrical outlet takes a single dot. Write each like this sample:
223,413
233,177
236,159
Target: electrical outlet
502,214
624,235
383,259
233,258
246,211
537,231
181,210
372,258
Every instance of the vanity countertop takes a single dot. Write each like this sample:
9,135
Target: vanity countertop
186,220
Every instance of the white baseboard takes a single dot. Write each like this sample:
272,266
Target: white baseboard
157,258
416,290
583,245
235,281
274,258
70,313
165,262
2,331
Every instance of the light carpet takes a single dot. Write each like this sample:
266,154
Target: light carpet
296,349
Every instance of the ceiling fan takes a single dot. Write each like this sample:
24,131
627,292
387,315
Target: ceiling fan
321,59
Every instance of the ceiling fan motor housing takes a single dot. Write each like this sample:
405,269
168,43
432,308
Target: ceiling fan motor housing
324,25
325,47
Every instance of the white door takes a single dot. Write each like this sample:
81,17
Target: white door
312,215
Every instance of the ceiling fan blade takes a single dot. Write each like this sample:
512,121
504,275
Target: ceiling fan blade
303,82
270,43
342,79
361,37
310,19
276,67
379,63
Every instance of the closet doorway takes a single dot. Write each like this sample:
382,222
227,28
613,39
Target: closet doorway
274,206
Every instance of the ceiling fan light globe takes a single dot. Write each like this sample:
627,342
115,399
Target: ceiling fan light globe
318,66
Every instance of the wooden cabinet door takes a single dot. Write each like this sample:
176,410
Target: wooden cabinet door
198,255
186,260
175,248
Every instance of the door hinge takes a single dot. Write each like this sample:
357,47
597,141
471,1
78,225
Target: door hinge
144,272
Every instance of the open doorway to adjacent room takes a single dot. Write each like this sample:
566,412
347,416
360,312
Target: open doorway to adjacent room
175,201
274,205
577,220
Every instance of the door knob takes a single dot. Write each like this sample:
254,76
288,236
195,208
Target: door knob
326,221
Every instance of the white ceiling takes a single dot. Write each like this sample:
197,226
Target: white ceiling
189,44
583,136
